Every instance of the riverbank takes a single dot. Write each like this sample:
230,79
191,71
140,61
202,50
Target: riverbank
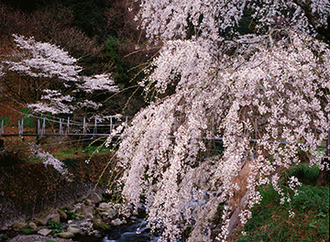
74,208
35,197
33,238
91,219
88,219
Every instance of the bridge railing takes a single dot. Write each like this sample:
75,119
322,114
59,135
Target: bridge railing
66,127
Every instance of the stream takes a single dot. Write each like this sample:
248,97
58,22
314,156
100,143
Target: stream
124,233
121,233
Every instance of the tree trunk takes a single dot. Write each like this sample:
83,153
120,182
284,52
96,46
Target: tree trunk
323,178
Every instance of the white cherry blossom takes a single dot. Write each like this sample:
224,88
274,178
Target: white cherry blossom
56,76
265,95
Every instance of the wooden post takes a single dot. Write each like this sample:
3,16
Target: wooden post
20,127
43,130
111,125
68,126
84,126
95,127
38,129
61,128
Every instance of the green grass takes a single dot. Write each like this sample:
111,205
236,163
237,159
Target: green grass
57,227
27,230
306,175
3,237
68,153
78,152
28,120
5,120
91,149
271,222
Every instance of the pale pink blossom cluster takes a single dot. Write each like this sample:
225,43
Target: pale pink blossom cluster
43,60
52,67
49,159
293,183
173,19
291,213
56,102
273,96
266,95
102,82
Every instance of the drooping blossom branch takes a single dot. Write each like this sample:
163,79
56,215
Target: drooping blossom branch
266,94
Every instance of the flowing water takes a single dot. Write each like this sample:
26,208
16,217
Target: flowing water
136,231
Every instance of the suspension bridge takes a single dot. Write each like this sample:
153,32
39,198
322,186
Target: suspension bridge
90,127
67,127
43,126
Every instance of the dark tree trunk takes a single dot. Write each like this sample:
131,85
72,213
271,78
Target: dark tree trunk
323,178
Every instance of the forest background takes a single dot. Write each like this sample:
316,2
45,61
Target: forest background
102,35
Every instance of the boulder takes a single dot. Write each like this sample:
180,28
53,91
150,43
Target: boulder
18,226
32,225
65,235
86,227
44,232
35,238
73,225
62,214
116,222
85,210
94,233
46,216
104,206
73,228
106,209
111,212
88,202
54,217
94,197
100,225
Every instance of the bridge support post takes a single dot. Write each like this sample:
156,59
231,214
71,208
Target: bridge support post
68,126
61,128
20,127
84,126
111,124
95,127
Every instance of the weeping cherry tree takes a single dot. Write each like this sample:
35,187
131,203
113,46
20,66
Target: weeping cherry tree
264,93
